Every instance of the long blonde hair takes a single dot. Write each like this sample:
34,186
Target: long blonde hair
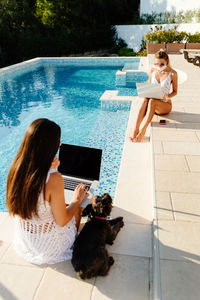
161,54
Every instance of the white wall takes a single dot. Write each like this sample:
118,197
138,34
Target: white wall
133,34
148,6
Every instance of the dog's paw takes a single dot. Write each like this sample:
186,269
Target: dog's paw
121,223
109,242
119,219
111,260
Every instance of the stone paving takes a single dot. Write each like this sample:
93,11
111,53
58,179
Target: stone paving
177,181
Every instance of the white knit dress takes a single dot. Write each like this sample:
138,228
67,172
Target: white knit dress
40,240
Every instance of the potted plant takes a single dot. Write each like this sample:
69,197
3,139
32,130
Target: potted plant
154,40
193,41
175,40
172,40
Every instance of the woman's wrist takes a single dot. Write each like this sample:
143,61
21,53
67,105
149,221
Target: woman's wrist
76,200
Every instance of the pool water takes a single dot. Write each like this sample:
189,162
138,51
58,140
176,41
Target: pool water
69,96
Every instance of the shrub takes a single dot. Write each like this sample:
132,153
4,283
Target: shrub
173,17
193,38
119,43
161,35
142,52
126,52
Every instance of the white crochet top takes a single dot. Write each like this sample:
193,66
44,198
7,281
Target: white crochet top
40,240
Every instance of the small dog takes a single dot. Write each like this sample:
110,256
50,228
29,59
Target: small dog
90,257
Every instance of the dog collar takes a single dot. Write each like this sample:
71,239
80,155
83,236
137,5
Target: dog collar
101,218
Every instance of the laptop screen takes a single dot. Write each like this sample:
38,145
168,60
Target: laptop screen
81,162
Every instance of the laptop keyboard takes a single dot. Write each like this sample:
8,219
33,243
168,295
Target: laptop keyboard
70,184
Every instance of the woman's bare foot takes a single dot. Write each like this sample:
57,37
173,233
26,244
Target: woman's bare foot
140,136
135,133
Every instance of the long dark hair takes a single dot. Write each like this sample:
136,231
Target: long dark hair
28,171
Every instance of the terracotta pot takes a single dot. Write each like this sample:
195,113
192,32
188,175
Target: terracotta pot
192,45
153,48
174,48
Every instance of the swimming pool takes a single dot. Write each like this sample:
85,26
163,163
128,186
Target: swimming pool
69,95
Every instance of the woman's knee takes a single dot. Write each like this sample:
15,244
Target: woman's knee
145,101
152,103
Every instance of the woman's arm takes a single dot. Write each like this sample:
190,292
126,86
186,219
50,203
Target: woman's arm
174,84
150,74
55,190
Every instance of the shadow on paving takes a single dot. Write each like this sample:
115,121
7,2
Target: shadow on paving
6,293
181,117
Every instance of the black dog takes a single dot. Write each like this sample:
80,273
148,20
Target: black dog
90,257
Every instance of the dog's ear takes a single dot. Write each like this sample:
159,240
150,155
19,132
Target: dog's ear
88,210
107,197
99,208
103,205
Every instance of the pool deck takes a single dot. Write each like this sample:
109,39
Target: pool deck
177,186
176,165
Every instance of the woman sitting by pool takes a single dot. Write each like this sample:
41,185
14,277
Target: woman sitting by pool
45,229
161,73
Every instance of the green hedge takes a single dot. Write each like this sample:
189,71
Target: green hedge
160,35
189,16
31,28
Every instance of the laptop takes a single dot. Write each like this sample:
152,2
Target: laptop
79,165
149,90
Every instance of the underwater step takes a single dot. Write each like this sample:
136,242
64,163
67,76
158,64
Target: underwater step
129,66
124,76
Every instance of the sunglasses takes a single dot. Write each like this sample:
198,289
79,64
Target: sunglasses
161,65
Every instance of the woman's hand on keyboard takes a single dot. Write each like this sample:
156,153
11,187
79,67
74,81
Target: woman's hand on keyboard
80,193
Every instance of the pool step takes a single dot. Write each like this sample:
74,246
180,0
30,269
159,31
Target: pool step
129,66
125,76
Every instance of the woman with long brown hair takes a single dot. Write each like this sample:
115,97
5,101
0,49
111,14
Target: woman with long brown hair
45,229
163,74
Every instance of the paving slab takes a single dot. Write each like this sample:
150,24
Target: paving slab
133,239
128,279
183,117
183,182
184,148
7,228
18,282
61,282
179,240
130,189
11,257
3,216
193,162
186,206
171,162
3,248
194,109
157,147
188,126
128,216
198,134
174,135
180,280
155,125
164,206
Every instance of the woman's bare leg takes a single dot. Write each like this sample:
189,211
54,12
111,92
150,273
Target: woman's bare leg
157,106
140,117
